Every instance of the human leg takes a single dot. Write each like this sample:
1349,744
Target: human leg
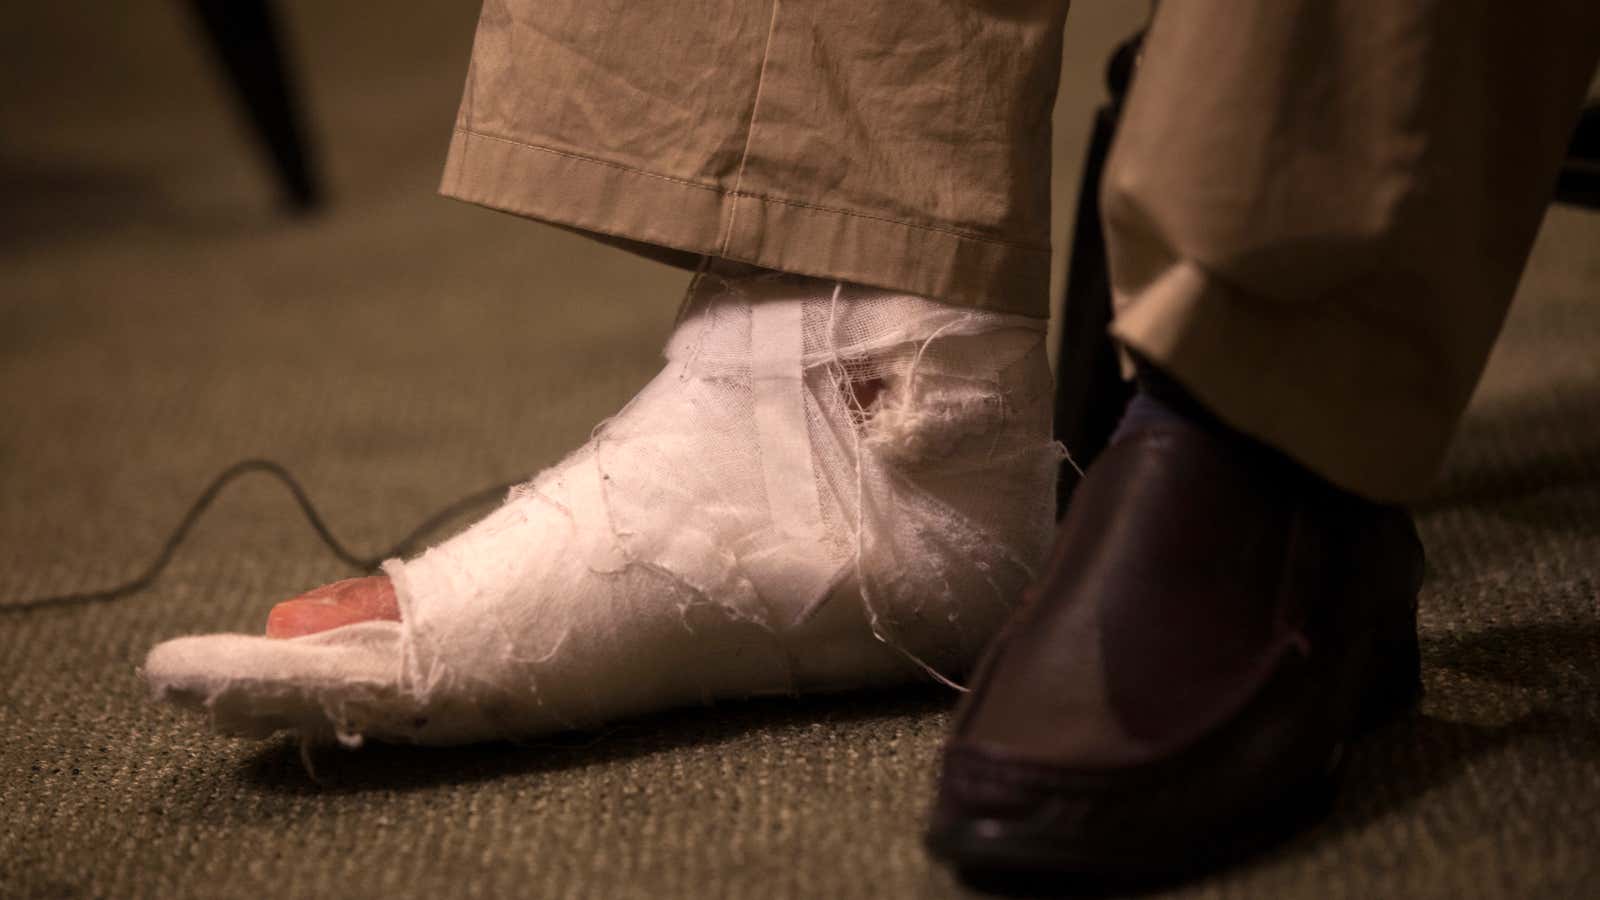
1317,214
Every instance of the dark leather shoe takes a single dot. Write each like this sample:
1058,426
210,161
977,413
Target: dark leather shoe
1214,625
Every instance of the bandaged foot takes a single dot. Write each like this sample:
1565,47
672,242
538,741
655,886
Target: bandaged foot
826,487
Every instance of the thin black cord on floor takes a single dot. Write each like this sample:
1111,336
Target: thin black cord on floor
234,472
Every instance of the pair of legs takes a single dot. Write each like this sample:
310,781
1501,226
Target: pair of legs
1317,213
1317,216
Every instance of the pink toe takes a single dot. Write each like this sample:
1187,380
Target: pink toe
332,605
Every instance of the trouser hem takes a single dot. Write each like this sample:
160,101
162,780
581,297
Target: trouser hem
1348,398
622,205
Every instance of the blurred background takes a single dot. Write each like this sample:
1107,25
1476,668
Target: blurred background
163,314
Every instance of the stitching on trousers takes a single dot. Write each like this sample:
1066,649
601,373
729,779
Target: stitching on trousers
964,235
589,159
920,226
750,129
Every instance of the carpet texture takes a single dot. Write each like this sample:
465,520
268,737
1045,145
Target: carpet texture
159,321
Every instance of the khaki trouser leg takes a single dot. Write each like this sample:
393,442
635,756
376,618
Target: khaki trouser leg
904,145
1318,211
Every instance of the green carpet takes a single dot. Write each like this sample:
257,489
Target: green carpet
158,321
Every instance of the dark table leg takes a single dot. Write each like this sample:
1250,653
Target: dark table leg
244,36
1579,182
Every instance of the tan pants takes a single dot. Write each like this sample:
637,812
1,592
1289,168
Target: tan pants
1317,209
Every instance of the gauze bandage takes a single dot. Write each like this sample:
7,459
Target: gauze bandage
827,486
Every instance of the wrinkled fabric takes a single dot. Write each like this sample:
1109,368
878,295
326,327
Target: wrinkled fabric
1317,211
902,145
